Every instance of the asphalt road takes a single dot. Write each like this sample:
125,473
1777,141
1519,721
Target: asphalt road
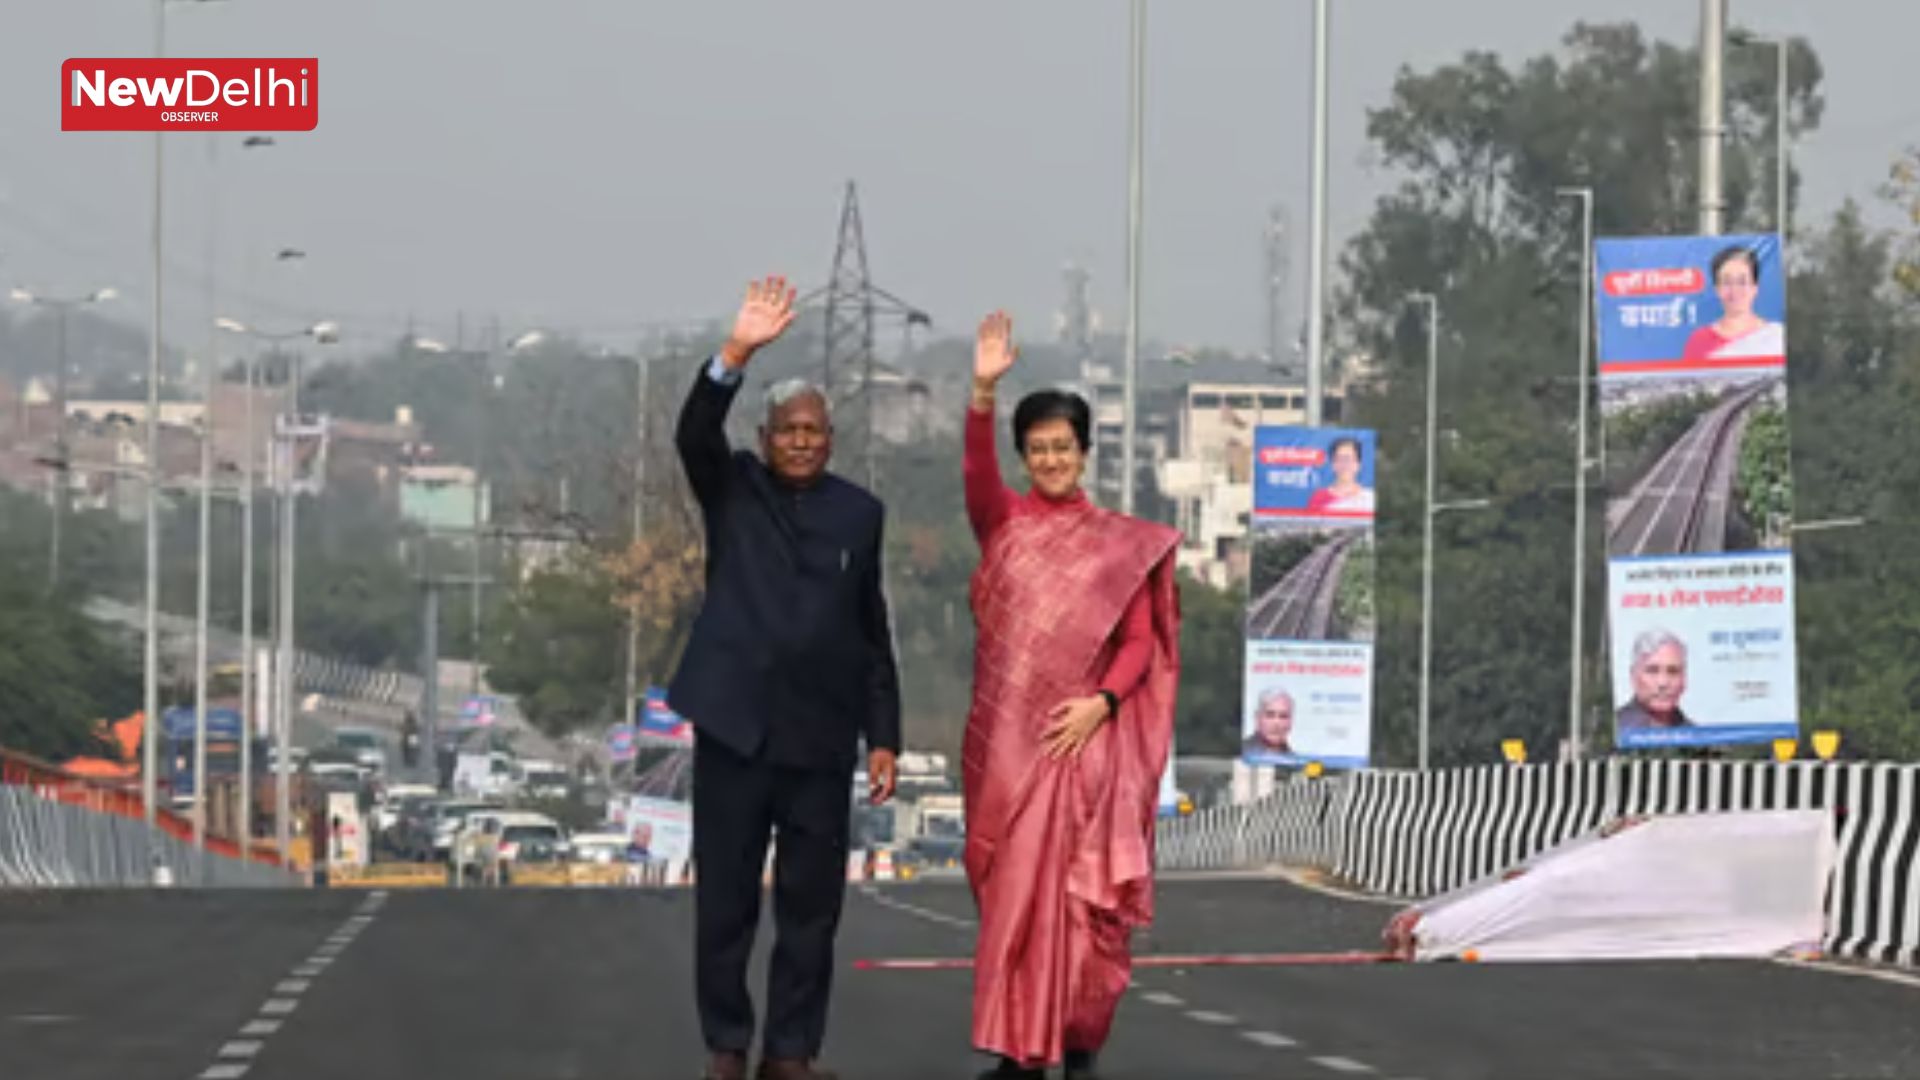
538,985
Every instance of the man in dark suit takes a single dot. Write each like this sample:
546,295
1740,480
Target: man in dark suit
789,666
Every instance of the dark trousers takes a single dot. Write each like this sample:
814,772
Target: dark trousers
736,802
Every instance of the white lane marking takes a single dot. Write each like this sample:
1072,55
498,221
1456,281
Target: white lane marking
224,1072
912,909
1217,1018
1340,1064
292,986
1161,997
40,1018
279,1006
318,961
309,971
241,1048
1272,1040
260,1027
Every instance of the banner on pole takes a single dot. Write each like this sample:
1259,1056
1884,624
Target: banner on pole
1693,396
1310,615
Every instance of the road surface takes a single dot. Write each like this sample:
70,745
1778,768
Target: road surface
556,985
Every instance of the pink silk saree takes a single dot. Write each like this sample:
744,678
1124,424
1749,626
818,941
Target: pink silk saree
1060,852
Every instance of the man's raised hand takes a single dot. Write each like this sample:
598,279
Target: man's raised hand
993,350
764,315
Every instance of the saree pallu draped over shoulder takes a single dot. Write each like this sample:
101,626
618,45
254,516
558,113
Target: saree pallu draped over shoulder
1060,851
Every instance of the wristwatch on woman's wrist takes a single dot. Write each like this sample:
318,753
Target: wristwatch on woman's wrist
1113,703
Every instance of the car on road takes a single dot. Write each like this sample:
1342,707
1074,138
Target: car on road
365,744
493,841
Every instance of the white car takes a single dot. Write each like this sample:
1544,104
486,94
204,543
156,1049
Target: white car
386,810
494,840
536,779
366,744
601,848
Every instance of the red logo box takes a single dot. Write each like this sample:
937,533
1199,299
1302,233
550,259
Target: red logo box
137,94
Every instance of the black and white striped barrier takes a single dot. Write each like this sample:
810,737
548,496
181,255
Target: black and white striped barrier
1414,835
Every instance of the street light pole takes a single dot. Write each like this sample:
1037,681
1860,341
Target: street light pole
1713,27
1578,646
1781,159
284,456
1426,564
1136,99
150,660
62,466
642,430
1317,226
204,593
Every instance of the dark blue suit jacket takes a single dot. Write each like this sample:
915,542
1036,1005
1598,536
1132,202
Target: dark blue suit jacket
792,652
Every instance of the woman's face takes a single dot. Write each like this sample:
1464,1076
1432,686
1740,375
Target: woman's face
1053,458
1346,465
1736,287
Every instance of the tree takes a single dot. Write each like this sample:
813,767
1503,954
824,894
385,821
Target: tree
1483,148
59,675
1212,640
558,646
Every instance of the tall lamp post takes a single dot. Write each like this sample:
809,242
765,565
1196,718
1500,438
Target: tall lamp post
324,333
519,343
1576,689
1433,510
62,307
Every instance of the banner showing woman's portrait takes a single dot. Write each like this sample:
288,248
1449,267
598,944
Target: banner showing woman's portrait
1693,396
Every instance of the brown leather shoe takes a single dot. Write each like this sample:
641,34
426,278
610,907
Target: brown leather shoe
793,1069
726,1066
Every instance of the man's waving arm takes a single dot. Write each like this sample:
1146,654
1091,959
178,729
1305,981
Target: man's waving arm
701,435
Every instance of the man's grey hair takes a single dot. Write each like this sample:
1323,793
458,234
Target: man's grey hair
1273,694
792,389
1652,641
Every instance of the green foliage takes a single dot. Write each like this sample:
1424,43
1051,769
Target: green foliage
1212,642
559,645
1763,484
1353,614
59,675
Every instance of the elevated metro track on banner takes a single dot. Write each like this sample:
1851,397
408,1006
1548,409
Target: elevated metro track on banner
1684,502
595,983
1300,606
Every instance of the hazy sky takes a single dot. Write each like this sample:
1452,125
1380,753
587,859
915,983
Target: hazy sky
599,165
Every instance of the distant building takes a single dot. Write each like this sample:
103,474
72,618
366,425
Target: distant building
1210,480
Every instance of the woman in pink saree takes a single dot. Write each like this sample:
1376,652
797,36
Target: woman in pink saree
1074,670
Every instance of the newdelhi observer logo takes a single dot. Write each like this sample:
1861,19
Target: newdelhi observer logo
224,94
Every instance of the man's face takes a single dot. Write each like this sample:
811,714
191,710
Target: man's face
1660,679
643,836
1275,722
797,440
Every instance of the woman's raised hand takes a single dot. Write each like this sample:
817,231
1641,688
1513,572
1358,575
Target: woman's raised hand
993,349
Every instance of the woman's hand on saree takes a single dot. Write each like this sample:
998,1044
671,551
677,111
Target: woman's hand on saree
1074,722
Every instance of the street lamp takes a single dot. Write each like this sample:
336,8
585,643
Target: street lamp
520,342
150,660
62,305
1317,224
1781,161
1585,195
324,333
